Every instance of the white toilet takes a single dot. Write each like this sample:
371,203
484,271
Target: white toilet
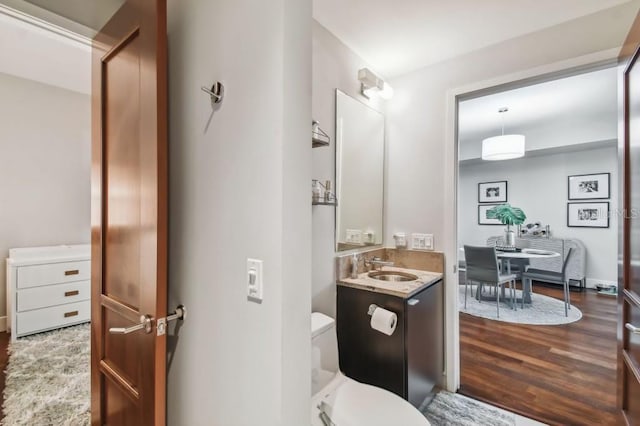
340,401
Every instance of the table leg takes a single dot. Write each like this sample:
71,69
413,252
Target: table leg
526,290
508,273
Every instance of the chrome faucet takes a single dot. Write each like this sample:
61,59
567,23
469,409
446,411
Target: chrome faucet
376,261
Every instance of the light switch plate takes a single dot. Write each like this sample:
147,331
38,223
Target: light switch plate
422,241
254,280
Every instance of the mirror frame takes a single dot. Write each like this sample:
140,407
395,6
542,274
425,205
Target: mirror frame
337,174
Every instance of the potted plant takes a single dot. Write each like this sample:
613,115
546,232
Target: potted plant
508,215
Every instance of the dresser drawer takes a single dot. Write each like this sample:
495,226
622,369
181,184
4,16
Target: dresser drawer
52,295
53,273
54,317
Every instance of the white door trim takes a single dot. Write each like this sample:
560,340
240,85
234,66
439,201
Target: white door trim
452,322
45,20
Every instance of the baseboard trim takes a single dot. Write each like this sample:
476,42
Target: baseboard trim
591,282
3,324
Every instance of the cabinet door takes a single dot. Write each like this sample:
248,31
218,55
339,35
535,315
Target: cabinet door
366,355
425,342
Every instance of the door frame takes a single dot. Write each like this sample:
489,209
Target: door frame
548,72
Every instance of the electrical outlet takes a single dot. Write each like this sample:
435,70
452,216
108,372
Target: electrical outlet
354,236
422,241
400,239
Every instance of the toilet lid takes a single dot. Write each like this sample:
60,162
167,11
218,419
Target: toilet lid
351,403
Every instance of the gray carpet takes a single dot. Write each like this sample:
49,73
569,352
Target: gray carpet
48,380
543,310
452,409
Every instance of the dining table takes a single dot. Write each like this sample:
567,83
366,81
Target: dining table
520,256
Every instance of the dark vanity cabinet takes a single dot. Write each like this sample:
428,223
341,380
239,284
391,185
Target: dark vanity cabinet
410,362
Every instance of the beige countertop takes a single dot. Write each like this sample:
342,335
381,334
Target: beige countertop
402,289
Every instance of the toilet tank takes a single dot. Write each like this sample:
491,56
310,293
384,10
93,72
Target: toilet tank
324,351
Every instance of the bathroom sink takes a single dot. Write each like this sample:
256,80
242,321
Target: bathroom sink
392,276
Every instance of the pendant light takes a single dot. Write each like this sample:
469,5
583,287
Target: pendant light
503,147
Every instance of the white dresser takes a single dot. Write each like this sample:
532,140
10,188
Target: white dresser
48,288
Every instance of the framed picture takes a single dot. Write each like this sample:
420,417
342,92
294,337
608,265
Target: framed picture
589,187
588,215
482,215
492,192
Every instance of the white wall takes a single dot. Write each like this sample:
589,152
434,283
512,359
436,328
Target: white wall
416,119
239,185
45,162
335,66
538,185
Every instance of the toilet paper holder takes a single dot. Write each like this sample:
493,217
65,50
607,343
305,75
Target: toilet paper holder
372,307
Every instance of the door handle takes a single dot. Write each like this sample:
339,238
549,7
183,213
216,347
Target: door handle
145,324
632,328
413,302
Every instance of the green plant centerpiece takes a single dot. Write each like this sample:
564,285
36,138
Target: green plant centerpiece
507,215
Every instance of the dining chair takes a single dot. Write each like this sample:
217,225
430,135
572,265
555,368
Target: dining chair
552,277
482,268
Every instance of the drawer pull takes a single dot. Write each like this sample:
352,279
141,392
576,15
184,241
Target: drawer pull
70,314
71,293
71,272
632,328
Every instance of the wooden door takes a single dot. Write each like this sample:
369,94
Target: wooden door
629,299
129,216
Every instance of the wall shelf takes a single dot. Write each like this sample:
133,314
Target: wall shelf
319,137
324,203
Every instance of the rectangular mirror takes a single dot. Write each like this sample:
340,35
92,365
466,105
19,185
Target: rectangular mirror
359,173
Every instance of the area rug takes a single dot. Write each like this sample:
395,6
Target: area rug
448,408
47,379
543,310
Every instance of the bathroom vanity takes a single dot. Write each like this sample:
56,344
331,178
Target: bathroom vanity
410,362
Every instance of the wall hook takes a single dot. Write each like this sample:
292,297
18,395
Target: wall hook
216,92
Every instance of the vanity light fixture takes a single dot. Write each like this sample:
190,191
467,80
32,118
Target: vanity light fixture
371,84
503,147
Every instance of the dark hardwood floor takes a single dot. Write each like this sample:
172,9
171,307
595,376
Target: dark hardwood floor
4,359
560,375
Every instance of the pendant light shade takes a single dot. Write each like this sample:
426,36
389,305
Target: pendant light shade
504,147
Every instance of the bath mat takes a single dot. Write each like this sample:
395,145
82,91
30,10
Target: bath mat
449,409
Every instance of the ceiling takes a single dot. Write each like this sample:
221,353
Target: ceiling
400,36
570,111
35,53
90,13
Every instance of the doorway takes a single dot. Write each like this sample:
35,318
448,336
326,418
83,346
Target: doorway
534,359
45,167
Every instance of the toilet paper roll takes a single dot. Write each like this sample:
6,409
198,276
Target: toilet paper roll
384,321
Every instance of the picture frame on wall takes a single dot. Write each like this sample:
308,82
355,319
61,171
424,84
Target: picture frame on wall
588,215
590,187
482,215
492,192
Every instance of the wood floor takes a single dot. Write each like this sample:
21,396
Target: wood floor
561,375
4,358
